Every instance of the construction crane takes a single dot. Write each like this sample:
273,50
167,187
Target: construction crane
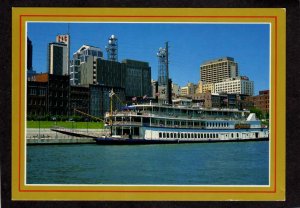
88,115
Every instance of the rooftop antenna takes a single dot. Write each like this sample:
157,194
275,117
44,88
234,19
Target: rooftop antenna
68,29
112,48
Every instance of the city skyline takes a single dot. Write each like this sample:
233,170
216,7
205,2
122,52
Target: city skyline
190,45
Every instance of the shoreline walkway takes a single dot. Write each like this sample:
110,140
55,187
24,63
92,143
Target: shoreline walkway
59,135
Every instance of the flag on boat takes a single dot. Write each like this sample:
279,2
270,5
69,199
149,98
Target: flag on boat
134,99
111,93
144,97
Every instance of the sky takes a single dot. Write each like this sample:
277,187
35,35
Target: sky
189,45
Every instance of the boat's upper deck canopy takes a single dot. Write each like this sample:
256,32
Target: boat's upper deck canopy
157,107
193,112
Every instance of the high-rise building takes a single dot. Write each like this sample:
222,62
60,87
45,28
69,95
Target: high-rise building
29,54
138,79
111,73
84,59
57,59
103,72
30,71
238,85
65,38
217,70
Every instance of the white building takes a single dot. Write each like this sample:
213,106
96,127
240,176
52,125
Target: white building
81,56
238,85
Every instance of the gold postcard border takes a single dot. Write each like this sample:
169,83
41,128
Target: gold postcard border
274,58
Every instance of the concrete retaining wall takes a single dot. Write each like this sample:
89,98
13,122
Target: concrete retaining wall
46,136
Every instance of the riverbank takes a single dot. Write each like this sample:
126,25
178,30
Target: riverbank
47,136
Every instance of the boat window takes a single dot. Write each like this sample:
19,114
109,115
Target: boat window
195,135
182,135
201,136
160,134
205,136
168,135
171,135
217,135
185,135
175,135
164,135
232,135
237,134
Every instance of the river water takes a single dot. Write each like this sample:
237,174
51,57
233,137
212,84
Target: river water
231,163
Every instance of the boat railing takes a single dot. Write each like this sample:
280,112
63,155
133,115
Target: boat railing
177,126
163,116
126,123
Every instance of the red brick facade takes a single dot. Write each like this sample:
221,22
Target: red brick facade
261,101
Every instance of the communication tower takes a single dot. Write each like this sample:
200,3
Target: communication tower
112,48
163,75
163,65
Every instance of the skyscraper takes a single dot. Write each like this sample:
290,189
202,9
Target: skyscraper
30,71
29,54
215,71
57,59
84,62
138,78
65,38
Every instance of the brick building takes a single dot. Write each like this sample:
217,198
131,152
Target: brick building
261,101
37,98
53,89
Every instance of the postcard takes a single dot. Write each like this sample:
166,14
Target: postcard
148,104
